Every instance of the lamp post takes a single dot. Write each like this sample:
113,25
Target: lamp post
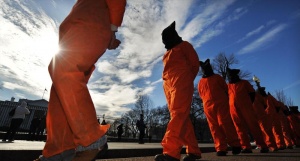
257,81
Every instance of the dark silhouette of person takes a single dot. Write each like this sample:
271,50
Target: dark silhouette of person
16,121
120,131
150,133
141,126
103,122
41,129
35,123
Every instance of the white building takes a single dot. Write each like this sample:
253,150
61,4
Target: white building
38,108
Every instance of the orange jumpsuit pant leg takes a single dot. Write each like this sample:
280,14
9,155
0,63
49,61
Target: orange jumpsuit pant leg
71,119
272,103
264,121
295,128
252,123
215,129
277,131
244,121
286,132
227,125
221,126
179,131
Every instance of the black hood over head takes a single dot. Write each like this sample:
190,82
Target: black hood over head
262,91
170,37
233,75
206,68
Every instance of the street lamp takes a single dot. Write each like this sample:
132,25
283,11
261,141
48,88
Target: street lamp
257,81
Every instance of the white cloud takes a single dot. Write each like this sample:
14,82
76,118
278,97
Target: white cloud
294,84
204,27
251,33
263,40
28,40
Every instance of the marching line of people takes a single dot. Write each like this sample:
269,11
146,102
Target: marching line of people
273,125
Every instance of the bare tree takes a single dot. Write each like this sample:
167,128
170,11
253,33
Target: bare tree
143,106
144,103
280,96
129,120
221,62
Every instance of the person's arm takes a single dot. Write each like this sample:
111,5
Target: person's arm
116,13
250,90
193,59
27,111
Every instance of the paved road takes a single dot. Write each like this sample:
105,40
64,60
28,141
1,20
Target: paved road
284,155
28,150
126,151
39,145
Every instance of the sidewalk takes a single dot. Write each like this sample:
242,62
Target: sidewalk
283,155
21,150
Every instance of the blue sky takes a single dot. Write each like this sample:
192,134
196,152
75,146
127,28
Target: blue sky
263,34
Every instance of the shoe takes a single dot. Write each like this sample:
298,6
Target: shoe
93,151
221,153
274,149
67,155
38,159
236,150
3,140
264,150
191,157
165,157
281,148
290,147
246,151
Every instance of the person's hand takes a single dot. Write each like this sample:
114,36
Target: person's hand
114,43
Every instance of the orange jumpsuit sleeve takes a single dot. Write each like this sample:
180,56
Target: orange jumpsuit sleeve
193,59
116,11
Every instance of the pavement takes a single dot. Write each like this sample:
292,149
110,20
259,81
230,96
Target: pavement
21,150
284,155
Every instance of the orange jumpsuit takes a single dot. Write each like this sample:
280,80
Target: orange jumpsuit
84,36
295,127
214,93
272,103
243,115
264,121
181,65
285,127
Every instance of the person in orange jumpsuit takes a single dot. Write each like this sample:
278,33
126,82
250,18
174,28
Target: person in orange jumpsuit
286,130
273,108
241,97
294,124
84,36
264,121
181,65
213,91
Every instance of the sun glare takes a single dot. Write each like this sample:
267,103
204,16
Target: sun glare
47,43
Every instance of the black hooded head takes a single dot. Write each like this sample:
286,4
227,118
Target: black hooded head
170,37
233,75
206,68
262,91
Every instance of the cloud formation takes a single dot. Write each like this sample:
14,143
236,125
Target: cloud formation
263,40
